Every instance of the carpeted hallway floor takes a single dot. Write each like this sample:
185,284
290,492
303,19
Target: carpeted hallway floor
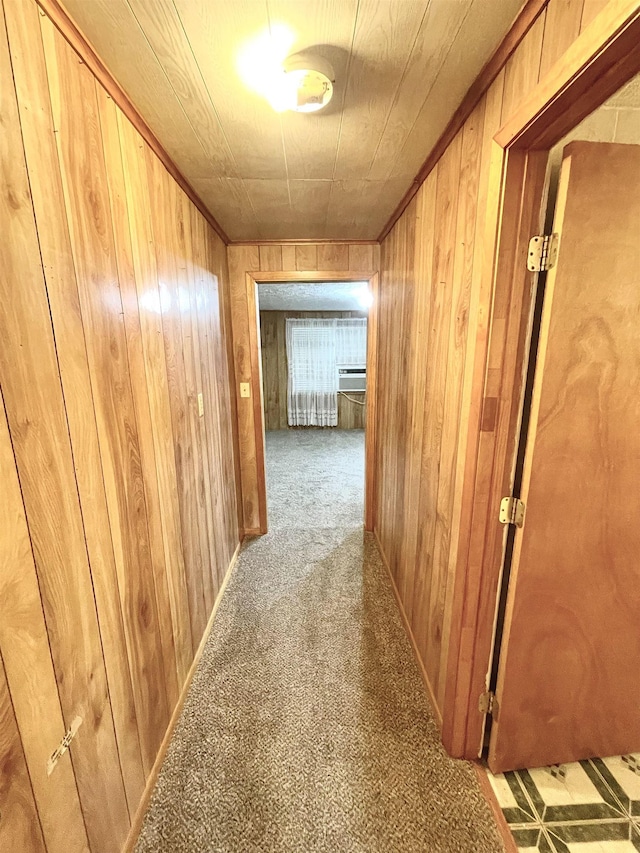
306,727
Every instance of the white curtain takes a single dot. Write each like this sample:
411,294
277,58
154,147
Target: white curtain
315,348
313,373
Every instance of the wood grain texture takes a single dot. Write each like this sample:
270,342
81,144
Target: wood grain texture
401,70
275,371
599,61
55,246
19,827
427,474
525,18
244,261
604,56
30,381
171,632
28,669
165,110
84,179
573,592
562,27
113,322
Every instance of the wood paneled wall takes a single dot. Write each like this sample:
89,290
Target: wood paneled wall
290,259
119,500
431,312
351,415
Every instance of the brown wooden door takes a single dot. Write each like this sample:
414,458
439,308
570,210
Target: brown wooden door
568,684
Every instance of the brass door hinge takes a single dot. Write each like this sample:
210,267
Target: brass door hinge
511,511
543,252
488,704
64,745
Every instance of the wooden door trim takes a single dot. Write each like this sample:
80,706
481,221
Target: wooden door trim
602,59
253,280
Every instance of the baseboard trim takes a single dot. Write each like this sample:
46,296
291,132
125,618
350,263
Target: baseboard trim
488,793
407,627
136,823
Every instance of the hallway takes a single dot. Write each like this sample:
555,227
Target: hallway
307,726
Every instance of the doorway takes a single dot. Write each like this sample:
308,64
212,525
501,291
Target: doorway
356,294
570,577
517,182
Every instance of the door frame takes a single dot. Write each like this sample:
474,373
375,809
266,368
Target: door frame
602,59
253,280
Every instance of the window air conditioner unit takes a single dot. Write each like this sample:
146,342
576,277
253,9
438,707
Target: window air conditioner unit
353,378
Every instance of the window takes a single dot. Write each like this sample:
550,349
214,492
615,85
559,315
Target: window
315,349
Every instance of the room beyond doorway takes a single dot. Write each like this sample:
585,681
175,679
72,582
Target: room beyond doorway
365,283
313,358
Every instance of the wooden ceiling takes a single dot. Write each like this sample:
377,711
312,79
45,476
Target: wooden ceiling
402,67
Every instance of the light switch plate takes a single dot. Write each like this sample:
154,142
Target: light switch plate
200,404
245,389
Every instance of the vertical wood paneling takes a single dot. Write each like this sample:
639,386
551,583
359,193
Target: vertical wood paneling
418,523
522,71
436,358
590,10
418,335
361,258
270,258
55,247
19,825
562,27
30,382
478,327
220,418
152,410
307,257
112,322
207,425
173,619
333,256
440,594
288,257
84,178
29,670
426,544
150,297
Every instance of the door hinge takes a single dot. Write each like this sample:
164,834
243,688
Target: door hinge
543,252
512,511
488,704
64,745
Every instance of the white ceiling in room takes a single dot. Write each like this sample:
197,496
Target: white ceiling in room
319,296
402,67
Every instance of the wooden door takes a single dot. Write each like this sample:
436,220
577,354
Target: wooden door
568,685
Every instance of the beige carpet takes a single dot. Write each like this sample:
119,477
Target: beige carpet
306,727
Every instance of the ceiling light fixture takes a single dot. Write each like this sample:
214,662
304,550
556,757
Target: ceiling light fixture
306,84
301,82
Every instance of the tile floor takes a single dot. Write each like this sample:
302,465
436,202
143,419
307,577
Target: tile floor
587,807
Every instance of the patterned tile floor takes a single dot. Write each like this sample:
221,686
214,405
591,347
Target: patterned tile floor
587,807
